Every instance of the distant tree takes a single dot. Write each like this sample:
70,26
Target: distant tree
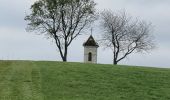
124,35
62,20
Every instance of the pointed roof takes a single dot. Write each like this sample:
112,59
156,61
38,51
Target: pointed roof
91,42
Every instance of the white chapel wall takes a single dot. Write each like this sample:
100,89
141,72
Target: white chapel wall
93,50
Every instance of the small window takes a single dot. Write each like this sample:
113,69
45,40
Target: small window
90,56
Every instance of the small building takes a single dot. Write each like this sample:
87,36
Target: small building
90,50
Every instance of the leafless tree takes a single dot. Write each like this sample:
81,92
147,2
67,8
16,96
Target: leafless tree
124,35
63,20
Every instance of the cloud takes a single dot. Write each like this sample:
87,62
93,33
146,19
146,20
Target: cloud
18,44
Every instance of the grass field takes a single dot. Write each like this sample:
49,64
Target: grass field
28,80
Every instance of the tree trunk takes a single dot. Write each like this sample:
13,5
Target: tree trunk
115,62
64,59
65,54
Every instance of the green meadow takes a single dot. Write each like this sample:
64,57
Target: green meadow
42,80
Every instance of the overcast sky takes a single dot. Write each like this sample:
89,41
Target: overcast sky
17,44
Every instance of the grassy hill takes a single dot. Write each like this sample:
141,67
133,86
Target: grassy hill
28,80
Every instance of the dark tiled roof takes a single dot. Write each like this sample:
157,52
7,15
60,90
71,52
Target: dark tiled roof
91,42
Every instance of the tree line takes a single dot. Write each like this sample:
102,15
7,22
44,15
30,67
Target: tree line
64,20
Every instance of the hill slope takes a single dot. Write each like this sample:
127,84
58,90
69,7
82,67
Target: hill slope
27,80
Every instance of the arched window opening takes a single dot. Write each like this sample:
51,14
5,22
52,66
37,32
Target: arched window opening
90,56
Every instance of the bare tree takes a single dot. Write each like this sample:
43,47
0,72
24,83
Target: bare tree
62,20
125,35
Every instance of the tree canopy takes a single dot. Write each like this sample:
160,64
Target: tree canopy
125,35
62,20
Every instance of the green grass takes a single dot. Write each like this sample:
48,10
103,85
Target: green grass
28,80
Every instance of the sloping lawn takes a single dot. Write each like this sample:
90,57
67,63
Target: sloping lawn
28,80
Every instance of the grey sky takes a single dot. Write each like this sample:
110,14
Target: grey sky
16,43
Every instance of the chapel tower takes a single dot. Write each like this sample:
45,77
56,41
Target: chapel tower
90,50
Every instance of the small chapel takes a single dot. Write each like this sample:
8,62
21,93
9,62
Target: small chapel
90,50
